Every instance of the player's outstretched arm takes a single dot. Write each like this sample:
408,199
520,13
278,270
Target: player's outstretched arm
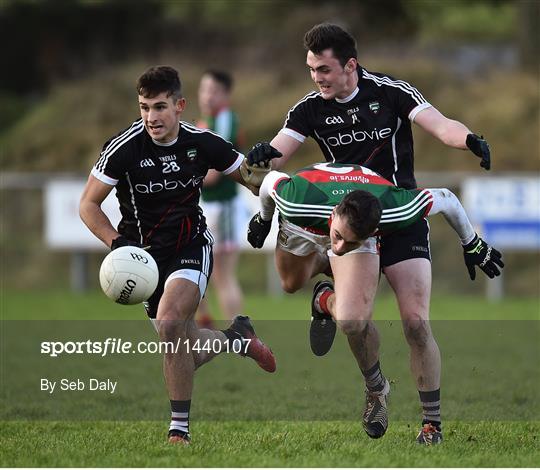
476,252
454,134
447,203
286,145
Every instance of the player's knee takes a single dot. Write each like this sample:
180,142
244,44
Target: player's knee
171,329
417,331
353,327
291,284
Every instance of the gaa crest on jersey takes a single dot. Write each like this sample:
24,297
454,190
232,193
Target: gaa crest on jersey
147,162
191,153
334,120
374,107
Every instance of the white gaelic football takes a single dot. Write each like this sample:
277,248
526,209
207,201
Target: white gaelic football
128,275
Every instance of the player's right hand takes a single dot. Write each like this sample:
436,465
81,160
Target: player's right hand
258,230
479,253
262,152
123,241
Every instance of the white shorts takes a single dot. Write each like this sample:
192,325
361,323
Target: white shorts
298,241
226,220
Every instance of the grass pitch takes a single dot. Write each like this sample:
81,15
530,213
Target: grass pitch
307,414
268,444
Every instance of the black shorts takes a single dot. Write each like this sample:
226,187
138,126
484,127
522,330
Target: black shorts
408,243
193,262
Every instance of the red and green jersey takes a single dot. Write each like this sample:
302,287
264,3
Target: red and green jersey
307,198
225,124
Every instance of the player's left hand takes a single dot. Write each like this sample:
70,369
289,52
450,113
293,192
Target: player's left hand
480,148
479,253
262,152
258,230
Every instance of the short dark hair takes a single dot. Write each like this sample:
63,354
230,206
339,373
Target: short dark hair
331,36
363,212
222,77
159,79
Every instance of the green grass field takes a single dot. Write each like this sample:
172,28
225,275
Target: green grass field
269,444
307,414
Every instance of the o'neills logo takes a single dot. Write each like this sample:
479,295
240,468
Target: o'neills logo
126,292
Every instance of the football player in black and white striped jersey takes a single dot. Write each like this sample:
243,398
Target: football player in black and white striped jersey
157,166
364,117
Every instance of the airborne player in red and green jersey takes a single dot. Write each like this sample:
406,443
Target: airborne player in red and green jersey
330,211
310,202
308,198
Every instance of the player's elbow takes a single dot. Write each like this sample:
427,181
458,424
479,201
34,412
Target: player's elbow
443,201
83,209
89,212
86,208
445,193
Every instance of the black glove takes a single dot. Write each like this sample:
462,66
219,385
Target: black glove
123,241
258,230
480,148
479,253
262,152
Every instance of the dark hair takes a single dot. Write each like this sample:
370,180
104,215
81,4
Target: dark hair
159,79
330,36
363,212
224,78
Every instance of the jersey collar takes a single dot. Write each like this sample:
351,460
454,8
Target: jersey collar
350,97
165,144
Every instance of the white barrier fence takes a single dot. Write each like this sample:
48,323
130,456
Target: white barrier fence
64,230
505,210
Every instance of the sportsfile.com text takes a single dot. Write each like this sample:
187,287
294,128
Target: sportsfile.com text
119,346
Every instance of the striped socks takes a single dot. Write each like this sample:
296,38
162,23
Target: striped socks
180,417
431,406
375,380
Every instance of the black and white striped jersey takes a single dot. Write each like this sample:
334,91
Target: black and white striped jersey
371,127
158,185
